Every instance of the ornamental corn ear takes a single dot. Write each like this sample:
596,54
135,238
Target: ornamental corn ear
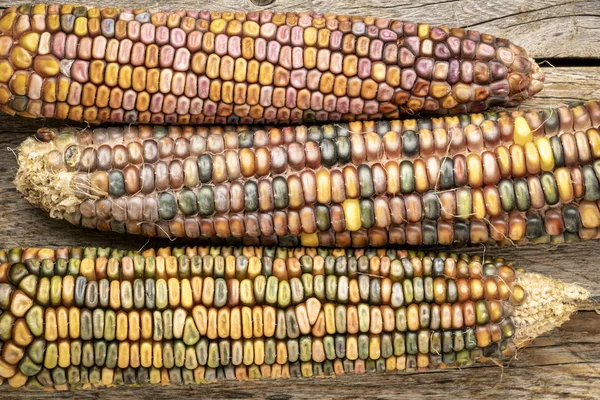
96,317
109,64
507,177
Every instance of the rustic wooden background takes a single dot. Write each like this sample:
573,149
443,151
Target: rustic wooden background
564,35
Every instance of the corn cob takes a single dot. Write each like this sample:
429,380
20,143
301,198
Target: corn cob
80,318
124,65
504,177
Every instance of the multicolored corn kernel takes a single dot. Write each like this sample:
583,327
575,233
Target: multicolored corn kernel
507,177
148,66
97,317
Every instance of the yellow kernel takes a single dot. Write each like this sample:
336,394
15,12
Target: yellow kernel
352,214
212,66
479,210
53,23
81,26
7,21
19,84
39,9
253,71
522,132
142,102
546,155
29,41
93,12
90,114
62,111
590,216
350,66
310,36
565,186
64,354
46,66
248,48
214,91
4,95
18,380
266,73
6,71
111,74
329,311
423,31
218,26
309,239
88,95
241,66
125,77
449,102
234,28
310,57
251,29
20,57
97,71
323,38
152,77
227,92
139,79
532,158
102,96
340,85
49,90
228,15
66,9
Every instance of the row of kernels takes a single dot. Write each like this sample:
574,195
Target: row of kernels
236,322
369,26
174,292
81,377
435,134
541,155
364,146
242,263
172,109
286,229
374,182
176,357
315,206
22,106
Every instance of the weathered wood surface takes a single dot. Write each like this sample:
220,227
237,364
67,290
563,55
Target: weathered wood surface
548,28
563,363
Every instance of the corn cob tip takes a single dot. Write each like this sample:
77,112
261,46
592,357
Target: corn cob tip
39,184
527,80
547,304
537,79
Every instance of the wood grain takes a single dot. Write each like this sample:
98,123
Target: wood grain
546,28
563,363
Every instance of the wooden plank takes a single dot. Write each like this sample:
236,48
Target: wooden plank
547,28
561,364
